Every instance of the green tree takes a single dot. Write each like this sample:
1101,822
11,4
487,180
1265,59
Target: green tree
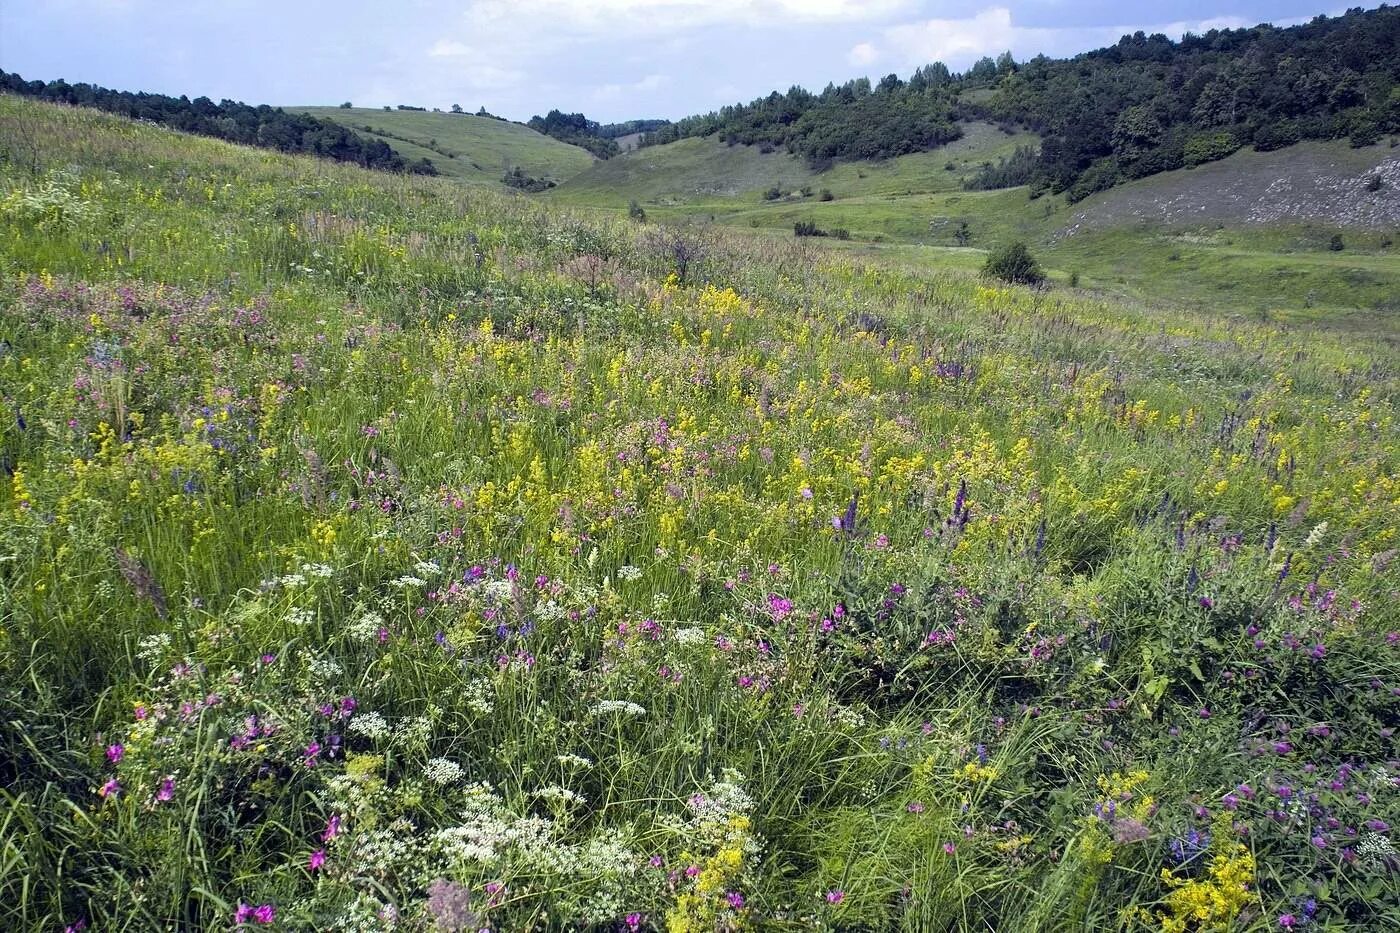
1014,263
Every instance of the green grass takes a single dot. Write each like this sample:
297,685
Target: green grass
1214,262
382,548
464,146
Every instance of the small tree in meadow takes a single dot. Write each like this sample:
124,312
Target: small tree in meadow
1014,264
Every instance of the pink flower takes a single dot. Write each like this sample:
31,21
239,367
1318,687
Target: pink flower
332,828
317,860
166,793
634,921
835,896
115,753
735,900
110,789
264,913
949,848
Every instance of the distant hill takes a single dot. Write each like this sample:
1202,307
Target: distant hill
464,146
1137,108
234,121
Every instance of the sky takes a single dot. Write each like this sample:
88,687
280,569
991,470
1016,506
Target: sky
610,59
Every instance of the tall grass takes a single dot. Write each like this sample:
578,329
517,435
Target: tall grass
380,552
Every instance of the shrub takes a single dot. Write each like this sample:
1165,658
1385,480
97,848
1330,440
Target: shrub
1015,264
636,212
826,195
773,193
1209,147
1335,244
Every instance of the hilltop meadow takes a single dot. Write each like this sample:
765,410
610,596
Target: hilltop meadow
386,553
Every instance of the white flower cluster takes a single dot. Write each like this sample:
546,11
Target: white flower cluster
689,636
571,760
499,592
846,717
549,611
366,627
324,668
370,725
427,568
318,570
291,581
443,771
407,582
479,696
608,707
151,648
413,732
300,617
722,800
628,572
561,794
1375,849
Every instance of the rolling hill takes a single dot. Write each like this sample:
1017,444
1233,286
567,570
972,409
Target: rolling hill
462,146
386,552
1250,233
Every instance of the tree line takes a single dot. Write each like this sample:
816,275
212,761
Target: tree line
598,138
1145,105
234,121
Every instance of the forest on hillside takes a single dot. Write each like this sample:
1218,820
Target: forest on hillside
234,121
1145,105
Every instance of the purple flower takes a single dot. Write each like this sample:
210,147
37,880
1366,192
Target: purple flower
110,789
115,753
317,860
835,896
735,899
166,793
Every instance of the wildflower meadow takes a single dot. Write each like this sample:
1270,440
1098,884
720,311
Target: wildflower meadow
381,553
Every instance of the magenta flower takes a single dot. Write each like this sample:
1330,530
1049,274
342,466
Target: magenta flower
835,896
110,789
735,900
166,793
332,828
115,753
949,848
317,860
634,922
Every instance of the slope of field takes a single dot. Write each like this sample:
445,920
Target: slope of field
463,146
702,173
1251,234
1327,184
389,553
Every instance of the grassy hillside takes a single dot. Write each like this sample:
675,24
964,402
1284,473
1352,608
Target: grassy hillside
387,552
705,172
1250,234
463,146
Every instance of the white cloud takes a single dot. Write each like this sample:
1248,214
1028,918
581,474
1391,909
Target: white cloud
862,55
959,42
646,85
449,48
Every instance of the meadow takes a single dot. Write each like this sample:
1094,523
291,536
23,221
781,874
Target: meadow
463,146
387,553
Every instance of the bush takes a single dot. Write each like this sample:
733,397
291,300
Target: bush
1335,244
826,195
1209,147
1014,264
636,212
773,193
